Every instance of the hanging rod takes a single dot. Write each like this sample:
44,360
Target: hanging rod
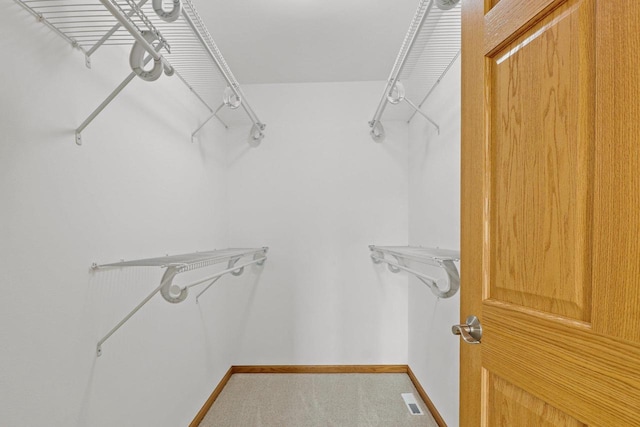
177,264
442,258
192,55
431,42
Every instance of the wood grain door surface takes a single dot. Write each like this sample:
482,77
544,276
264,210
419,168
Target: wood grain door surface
551,212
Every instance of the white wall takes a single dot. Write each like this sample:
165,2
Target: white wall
434,221
318,191
137,188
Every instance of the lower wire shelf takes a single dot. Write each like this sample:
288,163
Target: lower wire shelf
442,258
177,264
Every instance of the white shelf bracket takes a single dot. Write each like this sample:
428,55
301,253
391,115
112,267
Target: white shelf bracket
102,106
107,101
422,113
211,116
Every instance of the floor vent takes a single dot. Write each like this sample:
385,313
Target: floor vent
412,404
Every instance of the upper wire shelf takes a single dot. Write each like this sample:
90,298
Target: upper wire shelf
430,48
177,264
177,41
398,258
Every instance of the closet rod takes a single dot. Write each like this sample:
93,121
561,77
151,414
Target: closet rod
235,268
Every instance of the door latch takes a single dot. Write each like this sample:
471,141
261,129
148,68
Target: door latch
471,332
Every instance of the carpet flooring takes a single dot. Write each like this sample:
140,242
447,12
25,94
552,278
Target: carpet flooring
316,400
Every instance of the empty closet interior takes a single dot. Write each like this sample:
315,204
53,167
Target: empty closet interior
190,185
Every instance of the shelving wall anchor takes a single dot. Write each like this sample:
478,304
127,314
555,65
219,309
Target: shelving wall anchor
442,258
179,264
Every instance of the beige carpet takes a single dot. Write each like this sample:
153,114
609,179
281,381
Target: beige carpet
318,400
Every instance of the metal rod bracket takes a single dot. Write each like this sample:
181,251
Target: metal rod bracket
423,114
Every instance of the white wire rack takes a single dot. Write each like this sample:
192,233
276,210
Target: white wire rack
431,46
177,264
398,258
184,47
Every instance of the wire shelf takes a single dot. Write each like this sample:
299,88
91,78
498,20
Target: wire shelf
437,47
186,46
430,47
176,264
188,261
86,22
398,259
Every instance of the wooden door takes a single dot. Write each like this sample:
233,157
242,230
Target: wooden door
551,212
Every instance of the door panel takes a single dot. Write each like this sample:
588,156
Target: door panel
511,406
551,212
541,140
588,376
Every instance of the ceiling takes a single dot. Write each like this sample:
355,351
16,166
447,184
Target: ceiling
295,41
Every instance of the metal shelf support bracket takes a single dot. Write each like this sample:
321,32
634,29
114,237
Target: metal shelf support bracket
211,116
107,101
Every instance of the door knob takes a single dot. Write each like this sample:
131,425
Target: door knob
471,332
